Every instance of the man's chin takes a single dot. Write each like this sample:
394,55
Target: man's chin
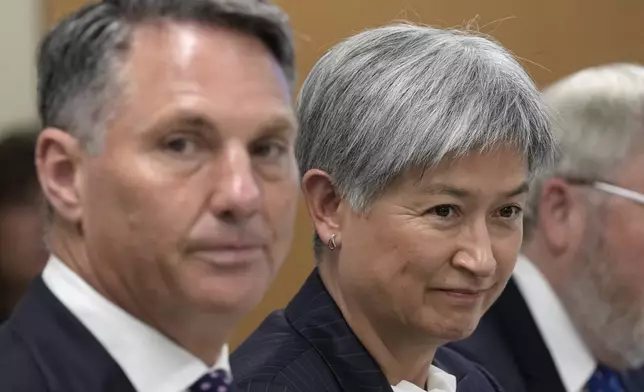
225,297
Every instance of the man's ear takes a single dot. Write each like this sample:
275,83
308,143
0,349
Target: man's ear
561,219
323,203
58,160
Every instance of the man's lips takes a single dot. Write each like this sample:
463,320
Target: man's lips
229,256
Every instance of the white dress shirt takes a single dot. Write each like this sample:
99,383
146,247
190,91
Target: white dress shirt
571,356
151,361
438,381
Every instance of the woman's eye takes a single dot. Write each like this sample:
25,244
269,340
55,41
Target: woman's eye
443,211
510,212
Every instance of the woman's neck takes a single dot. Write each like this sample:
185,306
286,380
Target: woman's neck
401,354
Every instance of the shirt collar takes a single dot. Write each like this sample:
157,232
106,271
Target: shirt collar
151,361
573,360
438,381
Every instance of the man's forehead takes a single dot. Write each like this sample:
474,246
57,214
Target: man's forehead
183,38
186,52
186,66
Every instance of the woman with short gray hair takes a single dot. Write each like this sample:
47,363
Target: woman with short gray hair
416,149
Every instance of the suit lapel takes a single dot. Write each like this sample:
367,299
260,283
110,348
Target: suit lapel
455,369
69,356
634,380
524,339
315,316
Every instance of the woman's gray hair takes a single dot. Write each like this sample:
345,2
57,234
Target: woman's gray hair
404,97
80,60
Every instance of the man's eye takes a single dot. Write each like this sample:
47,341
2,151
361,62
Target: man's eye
269,150
443,211
181,145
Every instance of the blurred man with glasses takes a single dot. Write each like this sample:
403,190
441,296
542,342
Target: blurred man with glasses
572,317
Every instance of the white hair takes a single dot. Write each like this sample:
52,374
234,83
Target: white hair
599,119
404,97
599,124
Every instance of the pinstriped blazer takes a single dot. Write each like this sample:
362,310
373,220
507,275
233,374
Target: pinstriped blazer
309,347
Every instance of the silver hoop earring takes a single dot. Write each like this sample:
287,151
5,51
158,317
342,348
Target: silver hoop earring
331,243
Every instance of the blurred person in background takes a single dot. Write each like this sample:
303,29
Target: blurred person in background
22,251
572,317
167,162
416,148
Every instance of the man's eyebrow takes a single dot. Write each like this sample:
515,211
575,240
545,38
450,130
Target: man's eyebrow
279,124
185,118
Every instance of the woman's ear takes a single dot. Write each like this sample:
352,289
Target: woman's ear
323,203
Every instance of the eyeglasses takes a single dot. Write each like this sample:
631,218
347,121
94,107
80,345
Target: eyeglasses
610,188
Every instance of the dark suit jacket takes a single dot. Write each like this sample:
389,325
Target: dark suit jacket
309,347
44,348
508,343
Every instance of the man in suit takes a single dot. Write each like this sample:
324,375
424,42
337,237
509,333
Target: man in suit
22,251
415,148
572,317
167,163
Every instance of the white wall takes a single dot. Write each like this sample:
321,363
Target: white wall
20,30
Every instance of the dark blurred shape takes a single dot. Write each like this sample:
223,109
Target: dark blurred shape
22,250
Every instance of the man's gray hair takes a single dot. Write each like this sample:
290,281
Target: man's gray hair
404,97
599,120
80,59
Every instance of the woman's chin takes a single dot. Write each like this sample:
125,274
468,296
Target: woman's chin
450,330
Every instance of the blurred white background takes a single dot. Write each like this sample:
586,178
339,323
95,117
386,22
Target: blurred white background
20,27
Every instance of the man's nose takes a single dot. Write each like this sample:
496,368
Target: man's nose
238,194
